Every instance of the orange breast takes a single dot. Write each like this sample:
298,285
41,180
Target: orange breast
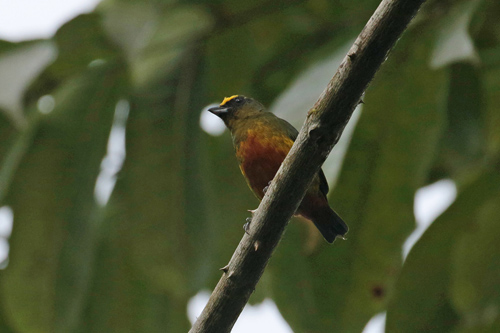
260,158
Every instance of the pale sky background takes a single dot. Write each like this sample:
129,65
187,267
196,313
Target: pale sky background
31,19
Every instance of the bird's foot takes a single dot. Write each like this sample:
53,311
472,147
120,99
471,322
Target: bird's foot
246,226
264,190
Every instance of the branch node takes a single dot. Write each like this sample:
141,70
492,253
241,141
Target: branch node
311,111
318,136
314,133
352,56
256,245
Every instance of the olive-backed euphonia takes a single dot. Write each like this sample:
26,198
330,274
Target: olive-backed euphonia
262,141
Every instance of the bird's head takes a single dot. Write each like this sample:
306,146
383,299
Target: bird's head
237,108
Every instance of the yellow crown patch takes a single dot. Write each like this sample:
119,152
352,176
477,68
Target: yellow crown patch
227,99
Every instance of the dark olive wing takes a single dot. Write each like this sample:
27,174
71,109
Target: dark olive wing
293,133
323,184
290,130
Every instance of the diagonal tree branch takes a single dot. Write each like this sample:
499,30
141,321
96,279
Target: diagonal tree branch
322,129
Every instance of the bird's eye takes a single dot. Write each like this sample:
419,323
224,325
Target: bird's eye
238,100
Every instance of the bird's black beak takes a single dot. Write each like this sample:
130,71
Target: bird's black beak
220,111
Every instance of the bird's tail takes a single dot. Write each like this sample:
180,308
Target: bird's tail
329,223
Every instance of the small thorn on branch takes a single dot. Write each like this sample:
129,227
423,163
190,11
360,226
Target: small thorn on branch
225,268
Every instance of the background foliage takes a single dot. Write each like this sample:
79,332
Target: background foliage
78,264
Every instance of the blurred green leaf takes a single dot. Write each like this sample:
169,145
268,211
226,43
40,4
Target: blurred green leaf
155,38
52,197
4,327
159,193
7,132
339,288
18,68
97,46
488,40
225,58
80,43
130,24
486,33
476,265
424,285
15,145
465,107
121,300
492,86
155,208
454,43
463,144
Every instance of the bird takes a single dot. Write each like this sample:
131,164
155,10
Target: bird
261,141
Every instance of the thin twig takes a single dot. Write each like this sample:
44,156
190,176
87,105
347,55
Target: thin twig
324,124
